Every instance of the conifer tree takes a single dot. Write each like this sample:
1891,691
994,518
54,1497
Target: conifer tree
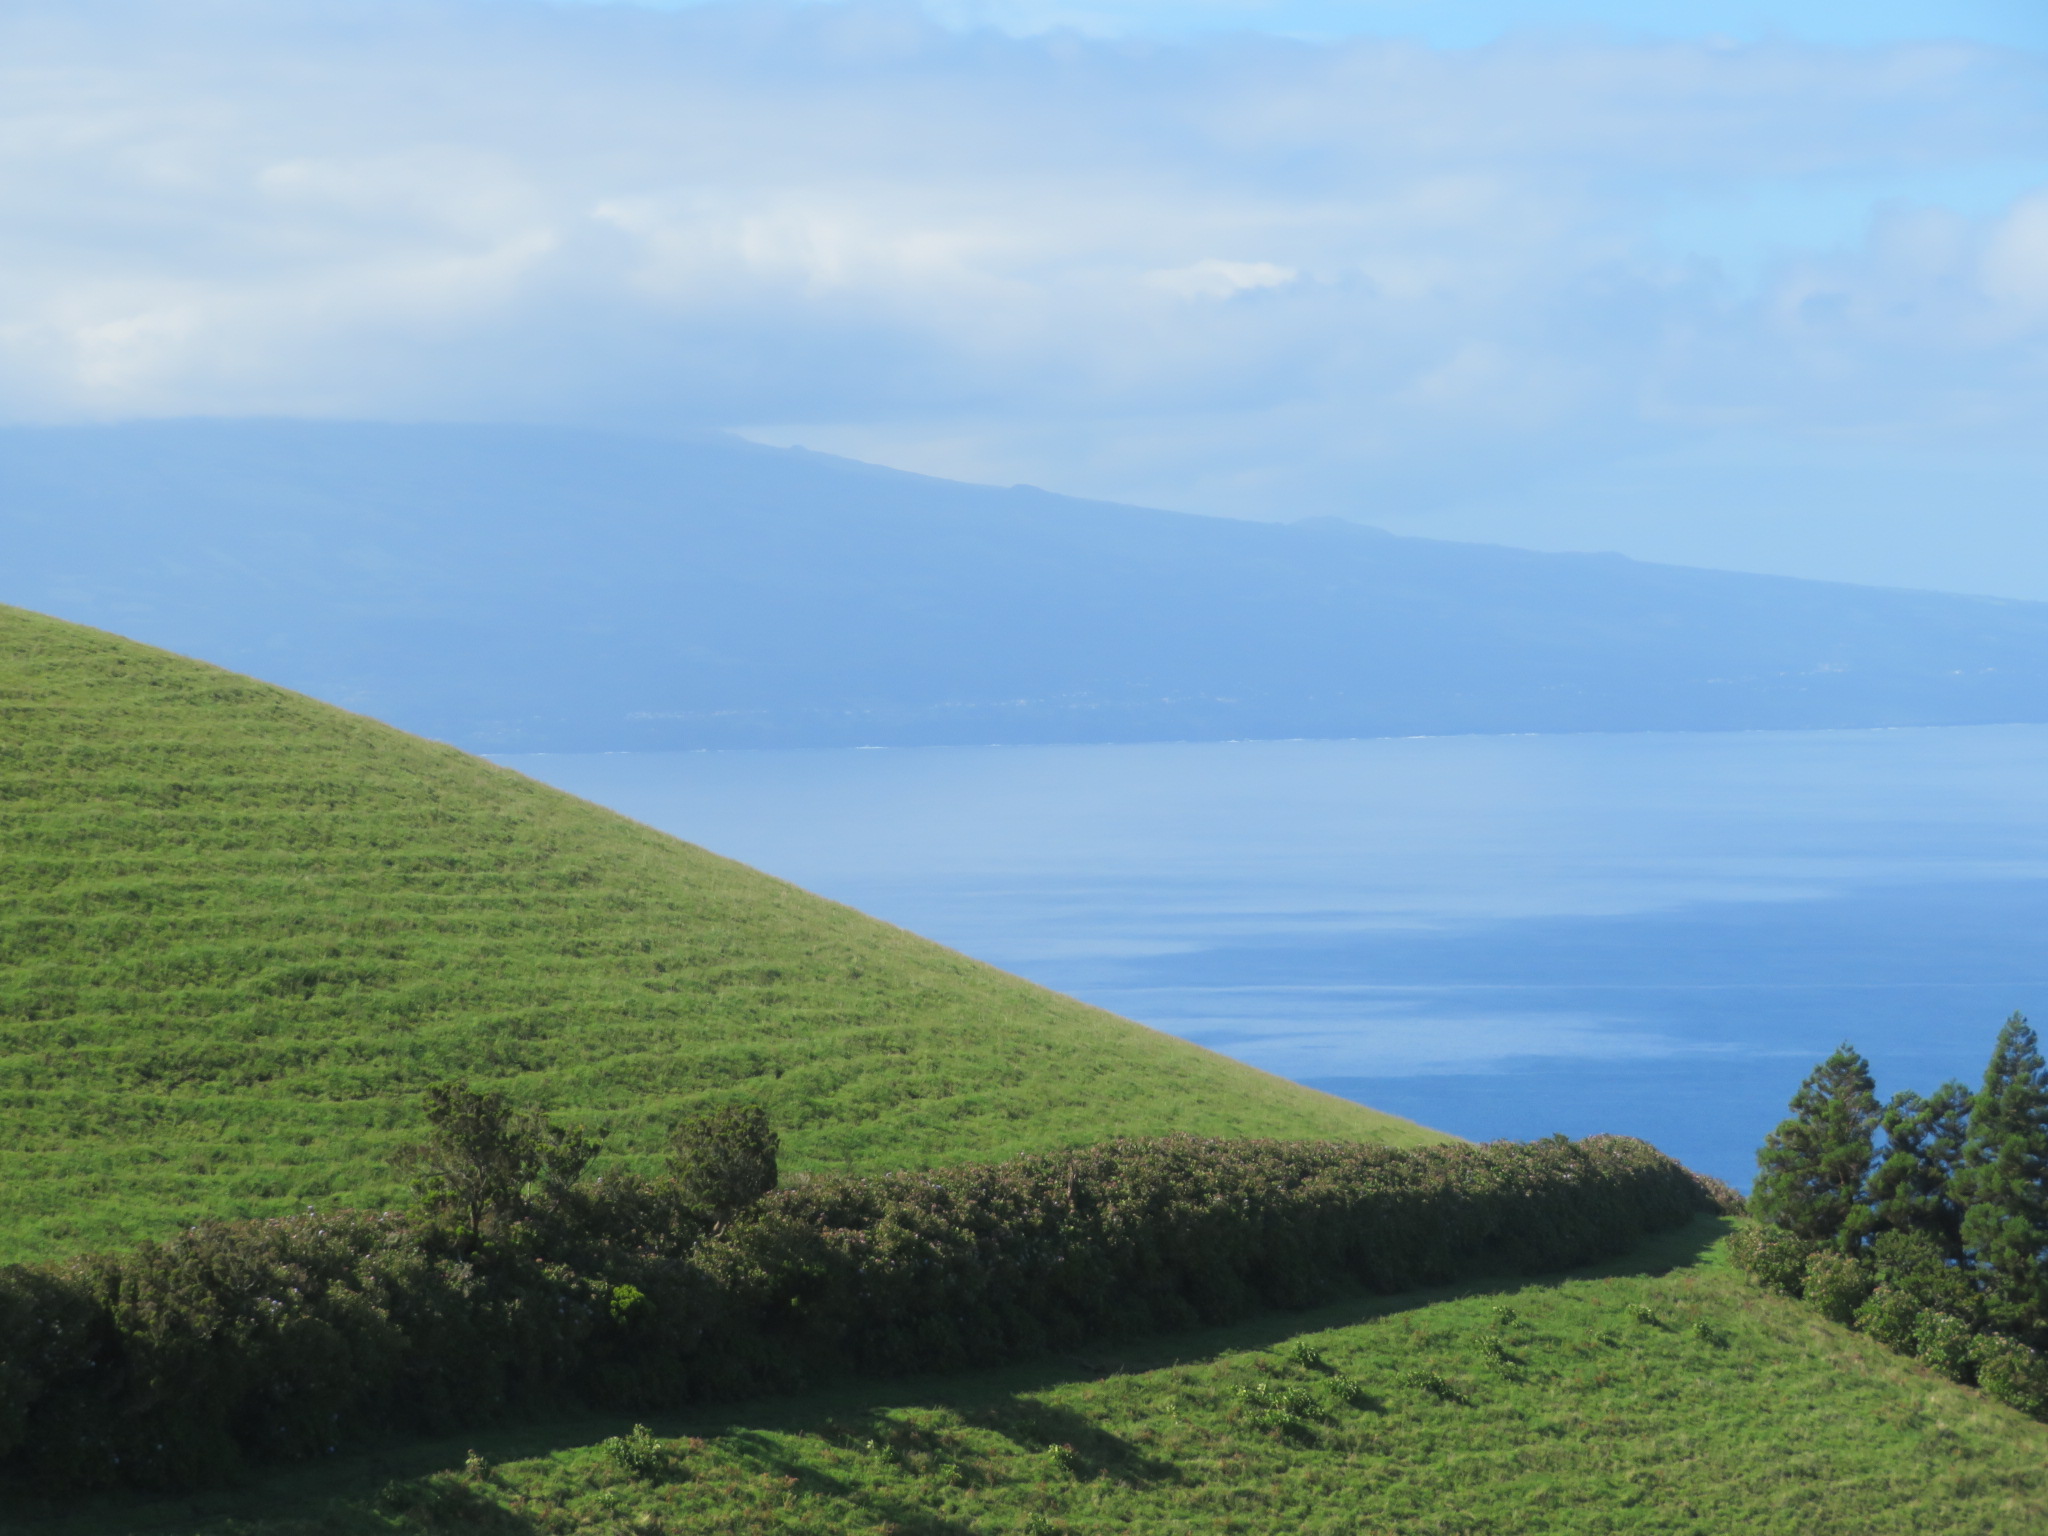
1811,1170
1912,1186
2003,1184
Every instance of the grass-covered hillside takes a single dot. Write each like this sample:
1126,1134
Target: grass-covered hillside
1659,1394
240,930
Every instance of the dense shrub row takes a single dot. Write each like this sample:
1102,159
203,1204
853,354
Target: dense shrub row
1935,1243
175,1363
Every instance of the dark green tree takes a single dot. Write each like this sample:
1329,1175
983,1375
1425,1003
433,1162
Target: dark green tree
483,1162
1912,1186
2003,1183
1810,1173
723,1161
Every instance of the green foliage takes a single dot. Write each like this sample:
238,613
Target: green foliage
1305,1355
724,1161
1430,1380
274,1340
2003,1185
1771,1257
639,1455
2014,1374
1912,1188
1891,1315
482,1162
1270,1401
242,931
1811,1170
1792,1427
1946,1343
1836,1284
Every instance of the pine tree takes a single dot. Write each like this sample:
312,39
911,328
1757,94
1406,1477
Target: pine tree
1811,1170
2001,1184
1911,1188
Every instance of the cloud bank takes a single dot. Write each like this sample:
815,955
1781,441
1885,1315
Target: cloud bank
1237,273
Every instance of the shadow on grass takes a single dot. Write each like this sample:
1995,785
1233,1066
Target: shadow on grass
339,1497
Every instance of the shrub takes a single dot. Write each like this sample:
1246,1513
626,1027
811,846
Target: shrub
639,1455
1427,1378
1351,1394
1891,1316
1835,1285
1770,1256
2014,1374
1288,1402
724,1161
1947,1344
175,1363
1723,1196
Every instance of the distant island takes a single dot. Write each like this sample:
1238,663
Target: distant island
523,589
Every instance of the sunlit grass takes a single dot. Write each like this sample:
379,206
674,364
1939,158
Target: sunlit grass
240,930
1616,1400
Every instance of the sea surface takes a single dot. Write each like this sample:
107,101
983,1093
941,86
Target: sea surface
1655,934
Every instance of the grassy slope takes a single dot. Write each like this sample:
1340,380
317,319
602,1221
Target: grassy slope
1778,1422
240,929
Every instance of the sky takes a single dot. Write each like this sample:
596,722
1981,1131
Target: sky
1747,284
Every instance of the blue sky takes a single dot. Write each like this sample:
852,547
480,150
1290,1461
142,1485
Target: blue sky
1472,23
1762,286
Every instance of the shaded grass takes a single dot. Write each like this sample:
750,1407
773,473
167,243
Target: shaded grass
1633,1397
240,930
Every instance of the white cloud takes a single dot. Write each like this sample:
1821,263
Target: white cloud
1211,278
1241,273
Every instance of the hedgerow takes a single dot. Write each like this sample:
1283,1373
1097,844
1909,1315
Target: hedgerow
177,1363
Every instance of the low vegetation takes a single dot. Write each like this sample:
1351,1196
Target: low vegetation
242,931
1662,1394
520,1286
1937,1246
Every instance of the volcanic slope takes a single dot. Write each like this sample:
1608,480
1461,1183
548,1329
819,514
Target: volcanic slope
240,930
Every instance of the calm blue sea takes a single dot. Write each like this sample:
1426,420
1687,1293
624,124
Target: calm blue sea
1501,936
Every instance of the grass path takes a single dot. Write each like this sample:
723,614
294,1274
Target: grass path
1661,1394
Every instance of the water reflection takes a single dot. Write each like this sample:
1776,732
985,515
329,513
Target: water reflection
1497,935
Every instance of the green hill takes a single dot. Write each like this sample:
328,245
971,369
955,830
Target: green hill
241,929
1727,1409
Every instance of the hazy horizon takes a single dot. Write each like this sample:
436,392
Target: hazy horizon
1742,284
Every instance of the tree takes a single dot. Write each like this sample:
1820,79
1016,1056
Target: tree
1812,1167
2001,1183
481,1157
724,1160
1912,1188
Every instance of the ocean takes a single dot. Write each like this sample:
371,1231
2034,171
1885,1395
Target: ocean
1502,936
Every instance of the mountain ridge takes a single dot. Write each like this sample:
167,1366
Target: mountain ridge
545,590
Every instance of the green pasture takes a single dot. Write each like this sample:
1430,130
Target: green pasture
1658,1394
240,930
